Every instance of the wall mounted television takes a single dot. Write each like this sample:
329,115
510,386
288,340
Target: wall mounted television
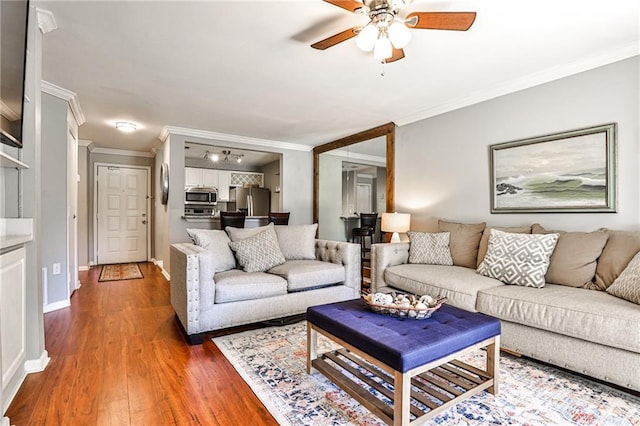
14,21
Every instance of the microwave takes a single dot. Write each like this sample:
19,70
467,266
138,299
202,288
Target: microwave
200,197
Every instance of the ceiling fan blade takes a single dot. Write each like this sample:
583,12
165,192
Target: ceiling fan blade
336,38
395,56
350,5
458,21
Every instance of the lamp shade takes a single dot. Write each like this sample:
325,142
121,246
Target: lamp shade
395,222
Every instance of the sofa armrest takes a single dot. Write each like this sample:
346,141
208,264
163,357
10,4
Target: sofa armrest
383,256
342,253
192,284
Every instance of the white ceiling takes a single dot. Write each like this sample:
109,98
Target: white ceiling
245,67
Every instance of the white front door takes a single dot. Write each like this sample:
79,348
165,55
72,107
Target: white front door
122,215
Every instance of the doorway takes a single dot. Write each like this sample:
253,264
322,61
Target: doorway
122,214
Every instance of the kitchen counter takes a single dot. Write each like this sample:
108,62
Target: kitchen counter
214,221
15,232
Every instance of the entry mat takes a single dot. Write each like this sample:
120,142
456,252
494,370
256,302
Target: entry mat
121,271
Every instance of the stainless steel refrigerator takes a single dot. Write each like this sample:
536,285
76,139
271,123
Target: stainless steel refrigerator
256,201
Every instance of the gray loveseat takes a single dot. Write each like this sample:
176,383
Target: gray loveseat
211,290
572,321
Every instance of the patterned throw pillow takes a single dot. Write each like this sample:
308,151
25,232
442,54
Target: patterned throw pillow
627,285
429,248
520,259
258,253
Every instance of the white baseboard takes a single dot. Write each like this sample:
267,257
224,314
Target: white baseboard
160,264
84,268
55,306
37,365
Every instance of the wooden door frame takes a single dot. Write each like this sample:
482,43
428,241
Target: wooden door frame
94,232
387,130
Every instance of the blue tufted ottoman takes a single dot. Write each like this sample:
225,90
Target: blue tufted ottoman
385,358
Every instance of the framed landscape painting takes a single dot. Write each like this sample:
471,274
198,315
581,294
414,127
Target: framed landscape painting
571,171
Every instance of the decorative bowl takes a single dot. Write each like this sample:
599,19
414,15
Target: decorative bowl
416,310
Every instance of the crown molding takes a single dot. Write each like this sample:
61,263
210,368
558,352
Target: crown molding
225,137
87,144
526,82
46,20
350,156
125,152
66,95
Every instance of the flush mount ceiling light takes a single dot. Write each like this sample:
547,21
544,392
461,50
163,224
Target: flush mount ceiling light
387,31
227,156
126,126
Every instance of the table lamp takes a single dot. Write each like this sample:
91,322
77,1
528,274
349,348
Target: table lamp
395,222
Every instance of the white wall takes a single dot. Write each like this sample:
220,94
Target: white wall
54,197
442,163
83,207
330,198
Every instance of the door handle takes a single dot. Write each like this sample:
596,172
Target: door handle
144,222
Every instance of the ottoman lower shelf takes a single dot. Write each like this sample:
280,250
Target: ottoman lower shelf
436,386
397,393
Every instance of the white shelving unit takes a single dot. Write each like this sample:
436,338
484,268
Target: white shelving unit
8,161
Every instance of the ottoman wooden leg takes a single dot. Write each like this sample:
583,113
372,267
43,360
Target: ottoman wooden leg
312,347
493,364
401,398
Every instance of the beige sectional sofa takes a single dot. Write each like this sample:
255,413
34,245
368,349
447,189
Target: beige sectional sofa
242,276
574,321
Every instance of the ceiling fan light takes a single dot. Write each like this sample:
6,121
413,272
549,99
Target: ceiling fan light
399,34
383,48
366,40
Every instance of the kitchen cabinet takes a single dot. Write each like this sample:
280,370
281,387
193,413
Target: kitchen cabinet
198,178
12,319
224,177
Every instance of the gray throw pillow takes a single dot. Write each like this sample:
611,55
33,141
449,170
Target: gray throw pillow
627,285
297,242
258,253
520,259
430,248
217,242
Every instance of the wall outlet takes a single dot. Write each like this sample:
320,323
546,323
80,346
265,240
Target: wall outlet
56,269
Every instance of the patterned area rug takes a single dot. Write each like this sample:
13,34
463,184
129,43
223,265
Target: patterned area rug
273,362
122,271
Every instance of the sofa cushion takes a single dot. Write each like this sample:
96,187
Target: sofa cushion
627,285
520,259
484,241
217,242
235,285
463,241
297,241
237,234
589,315
307,274
620,248
429,248
573,261
458,284
258,253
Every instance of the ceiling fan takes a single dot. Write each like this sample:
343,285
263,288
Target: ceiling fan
387,32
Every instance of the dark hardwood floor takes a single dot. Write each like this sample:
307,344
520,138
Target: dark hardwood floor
118,358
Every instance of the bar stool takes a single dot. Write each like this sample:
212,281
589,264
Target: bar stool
279,218
359,235
233,219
